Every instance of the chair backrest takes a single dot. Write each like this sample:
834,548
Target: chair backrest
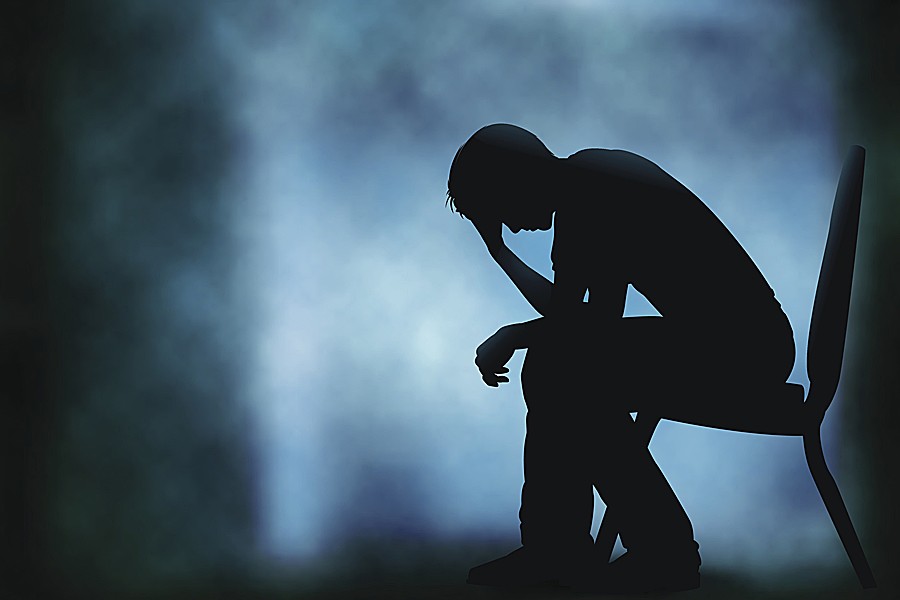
828,327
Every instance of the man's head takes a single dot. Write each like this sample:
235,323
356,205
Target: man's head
503,172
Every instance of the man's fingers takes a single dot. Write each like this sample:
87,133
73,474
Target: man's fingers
493,380
502,370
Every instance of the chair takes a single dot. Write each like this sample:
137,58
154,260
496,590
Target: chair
783,411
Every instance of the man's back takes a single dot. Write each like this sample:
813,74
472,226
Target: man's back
626,220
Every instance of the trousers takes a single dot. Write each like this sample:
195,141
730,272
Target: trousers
580,435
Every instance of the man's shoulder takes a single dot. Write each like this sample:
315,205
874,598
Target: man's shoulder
602,155
624,168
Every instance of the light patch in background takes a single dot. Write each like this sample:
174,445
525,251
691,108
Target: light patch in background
373,296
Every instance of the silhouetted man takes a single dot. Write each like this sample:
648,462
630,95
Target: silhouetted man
617,219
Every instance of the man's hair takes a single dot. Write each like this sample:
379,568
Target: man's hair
499,161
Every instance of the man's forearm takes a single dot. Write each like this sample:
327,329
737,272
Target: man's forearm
580,321
534,287
522,335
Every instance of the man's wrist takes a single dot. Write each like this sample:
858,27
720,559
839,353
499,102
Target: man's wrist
497,250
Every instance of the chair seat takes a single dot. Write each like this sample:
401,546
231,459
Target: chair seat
777,410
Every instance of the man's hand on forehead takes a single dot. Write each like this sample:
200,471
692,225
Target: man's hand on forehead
491,232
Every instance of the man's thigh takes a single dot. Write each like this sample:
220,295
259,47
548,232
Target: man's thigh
629,364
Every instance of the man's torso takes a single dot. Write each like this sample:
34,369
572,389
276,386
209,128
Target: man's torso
626,221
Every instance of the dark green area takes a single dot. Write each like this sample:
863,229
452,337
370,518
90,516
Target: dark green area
865,34
128,454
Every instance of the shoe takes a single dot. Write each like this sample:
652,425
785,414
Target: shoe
641,573
524,567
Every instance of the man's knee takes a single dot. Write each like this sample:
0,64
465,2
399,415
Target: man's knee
550,380
538,370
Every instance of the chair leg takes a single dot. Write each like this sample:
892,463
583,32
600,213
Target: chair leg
834,503
609,526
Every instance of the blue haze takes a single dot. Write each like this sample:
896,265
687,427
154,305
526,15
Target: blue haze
370,297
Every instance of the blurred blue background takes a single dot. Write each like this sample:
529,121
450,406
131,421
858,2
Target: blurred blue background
265,316
372,297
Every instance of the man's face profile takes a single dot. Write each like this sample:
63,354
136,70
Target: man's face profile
517,209
528,215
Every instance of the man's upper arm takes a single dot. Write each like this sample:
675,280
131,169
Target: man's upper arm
606,300
567,293
583,257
